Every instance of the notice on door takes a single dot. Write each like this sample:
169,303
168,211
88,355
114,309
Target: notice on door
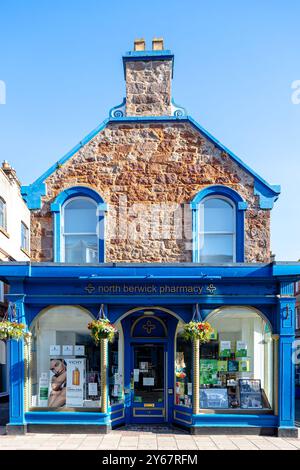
148,381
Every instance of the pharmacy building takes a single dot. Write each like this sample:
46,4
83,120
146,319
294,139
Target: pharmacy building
149,223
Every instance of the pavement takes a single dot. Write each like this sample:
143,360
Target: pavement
144,438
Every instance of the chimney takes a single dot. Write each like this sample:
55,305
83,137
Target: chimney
10,172
139,45
148,75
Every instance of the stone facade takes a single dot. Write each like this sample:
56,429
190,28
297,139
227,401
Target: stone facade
148,88
151,171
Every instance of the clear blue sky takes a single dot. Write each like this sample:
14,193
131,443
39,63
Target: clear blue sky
235,62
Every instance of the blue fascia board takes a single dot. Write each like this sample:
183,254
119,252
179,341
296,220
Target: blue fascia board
108,271
144,56
32,194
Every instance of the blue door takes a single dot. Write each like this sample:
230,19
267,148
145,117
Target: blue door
148,383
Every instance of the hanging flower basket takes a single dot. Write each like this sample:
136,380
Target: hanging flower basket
197,330
13,330
102,329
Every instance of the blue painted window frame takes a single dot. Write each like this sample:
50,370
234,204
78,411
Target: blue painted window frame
239,205
56,208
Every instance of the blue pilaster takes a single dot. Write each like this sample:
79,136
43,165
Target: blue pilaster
286,329
16,350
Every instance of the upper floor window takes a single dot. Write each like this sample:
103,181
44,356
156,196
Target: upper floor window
218,225
24,237
3,221
79,231
217,231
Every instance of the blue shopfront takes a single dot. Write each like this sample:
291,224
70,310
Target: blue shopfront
242,379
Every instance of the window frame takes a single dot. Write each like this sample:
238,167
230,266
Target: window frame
240,205
4,226
56,209
63,234
26,238
203,233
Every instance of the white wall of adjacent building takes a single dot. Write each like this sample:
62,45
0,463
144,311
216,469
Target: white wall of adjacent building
16,213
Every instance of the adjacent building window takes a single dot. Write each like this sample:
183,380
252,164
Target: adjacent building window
3,221
24,237
217,231
65,362
79,231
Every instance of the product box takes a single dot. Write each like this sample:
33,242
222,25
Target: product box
244,366
222,366
225,349
241,349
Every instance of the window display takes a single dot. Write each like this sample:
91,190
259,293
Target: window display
183,371
236,368
115,374
65,362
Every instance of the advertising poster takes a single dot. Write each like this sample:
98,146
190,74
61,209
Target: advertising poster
43,389
75,382
58,379
208,372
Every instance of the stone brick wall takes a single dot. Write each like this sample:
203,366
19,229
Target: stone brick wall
148,88
148,172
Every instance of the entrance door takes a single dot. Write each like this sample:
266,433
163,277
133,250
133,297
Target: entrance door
148,383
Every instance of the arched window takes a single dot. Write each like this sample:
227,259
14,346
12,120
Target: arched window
218,225
217,230
79,231
236,366
65,362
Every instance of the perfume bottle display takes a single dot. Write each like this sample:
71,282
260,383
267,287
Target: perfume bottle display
76,377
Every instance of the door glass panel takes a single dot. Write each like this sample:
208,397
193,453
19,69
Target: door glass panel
148,374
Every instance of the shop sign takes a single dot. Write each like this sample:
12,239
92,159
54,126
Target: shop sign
150,289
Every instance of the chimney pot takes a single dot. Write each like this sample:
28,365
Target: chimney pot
157,44
139,45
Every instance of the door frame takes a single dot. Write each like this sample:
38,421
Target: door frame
144,342
170,342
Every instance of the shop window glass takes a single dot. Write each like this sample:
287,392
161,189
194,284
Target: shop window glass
65,362
115,372
79,231
183,371
217,231
236,368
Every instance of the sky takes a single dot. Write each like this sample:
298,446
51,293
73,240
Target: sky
236,63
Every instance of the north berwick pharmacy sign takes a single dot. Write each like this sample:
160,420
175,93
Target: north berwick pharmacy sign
150,289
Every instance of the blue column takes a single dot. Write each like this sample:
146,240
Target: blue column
16,376
286,367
